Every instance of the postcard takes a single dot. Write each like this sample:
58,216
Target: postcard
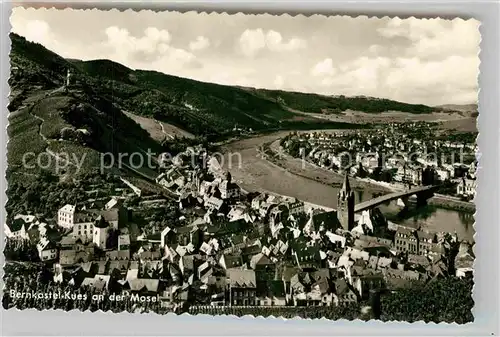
264,165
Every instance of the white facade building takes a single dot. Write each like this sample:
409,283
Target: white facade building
467,187
46,250
16,233
66,216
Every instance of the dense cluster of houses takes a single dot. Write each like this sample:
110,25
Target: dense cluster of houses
233,248
389,149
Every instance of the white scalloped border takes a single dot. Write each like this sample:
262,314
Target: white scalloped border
66,7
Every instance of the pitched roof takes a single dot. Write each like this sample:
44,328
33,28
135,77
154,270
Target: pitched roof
68,208
341,286
67,255
26,218
87,266
307,253
418,259
323,285
384,262
398,283
400,274
110,214
289,272
16,224
124,239
375,239
98,282
102,265
327,219
100,222
68,240
188,262
232,260
139,284
45,244
118,254
241,278
85,216
250,250
259,260
132,274
119,265
425,235
322,273
405,231
464,261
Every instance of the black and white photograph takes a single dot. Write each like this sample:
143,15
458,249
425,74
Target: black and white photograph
235,164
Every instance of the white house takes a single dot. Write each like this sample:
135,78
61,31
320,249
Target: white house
467,187
16,230
83,226
66,216
114,202
46,249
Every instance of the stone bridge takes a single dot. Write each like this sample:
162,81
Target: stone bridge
423,193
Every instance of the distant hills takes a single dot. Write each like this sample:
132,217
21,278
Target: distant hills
470,108
198,107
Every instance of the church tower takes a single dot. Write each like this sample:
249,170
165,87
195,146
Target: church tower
345,206
228,177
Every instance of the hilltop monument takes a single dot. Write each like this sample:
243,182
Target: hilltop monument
68,80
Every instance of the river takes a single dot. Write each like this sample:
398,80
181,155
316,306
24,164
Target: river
254,173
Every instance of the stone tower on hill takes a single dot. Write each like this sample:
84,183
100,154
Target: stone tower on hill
345,206
67,81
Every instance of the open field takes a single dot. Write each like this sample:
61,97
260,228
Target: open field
23,137
175,131
462,125
148,124
78,155
462,121
158,130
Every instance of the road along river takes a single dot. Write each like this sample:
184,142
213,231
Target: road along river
253,172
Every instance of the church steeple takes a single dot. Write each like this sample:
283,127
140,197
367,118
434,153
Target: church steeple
228,177
346,187
345,205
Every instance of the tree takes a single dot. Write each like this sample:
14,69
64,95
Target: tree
440,300
67,133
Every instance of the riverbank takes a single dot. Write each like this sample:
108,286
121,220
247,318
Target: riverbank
270,152
255,173
446,202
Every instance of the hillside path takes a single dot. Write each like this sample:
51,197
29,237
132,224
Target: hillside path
164,131
42,120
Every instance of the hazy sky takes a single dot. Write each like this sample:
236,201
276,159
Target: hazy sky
413,60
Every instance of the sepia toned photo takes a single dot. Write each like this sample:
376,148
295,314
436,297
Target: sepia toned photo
264,165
